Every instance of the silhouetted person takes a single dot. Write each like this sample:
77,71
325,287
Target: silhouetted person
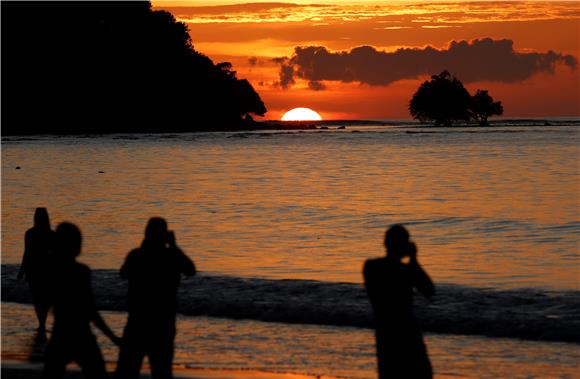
74,309
154,272
35,267
389,283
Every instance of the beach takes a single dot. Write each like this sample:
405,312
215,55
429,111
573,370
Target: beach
236,347
24,370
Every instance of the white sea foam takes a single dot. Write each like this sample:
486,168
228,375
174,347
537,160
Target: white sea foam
520,313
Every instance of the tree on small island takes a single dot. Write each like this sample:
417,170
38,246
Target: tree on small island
483,106
444,100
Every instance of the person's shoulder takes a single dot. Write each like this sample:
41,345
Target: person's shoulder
373,265
176,251
81,269
135,253
375,262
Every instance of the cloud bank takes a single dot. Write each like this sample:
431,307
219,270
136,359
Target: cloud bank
478,60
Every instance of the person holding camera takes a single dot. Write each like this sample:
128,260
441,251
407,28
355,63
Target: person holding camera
389,282
154,271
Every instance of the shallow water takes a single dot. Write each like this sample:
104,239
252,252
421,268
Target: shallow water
518,313
318,350
488,207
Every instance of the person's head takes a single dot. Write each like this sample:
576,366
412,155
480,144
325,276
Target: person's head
396,241
68,241
41,219
156,231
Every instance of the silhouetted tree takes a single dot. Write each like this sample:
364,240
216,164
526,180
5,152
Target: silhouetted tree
78,67
483,106
443,100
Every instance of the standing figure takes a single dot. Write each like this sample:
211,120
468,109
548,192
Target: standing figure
74,309
36,265
154,271
389,282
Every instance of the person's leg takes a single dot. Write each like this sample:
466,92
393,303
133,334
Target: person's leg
422,363
41,314
41,304
55,361
89,358
130,361
161,360
381,358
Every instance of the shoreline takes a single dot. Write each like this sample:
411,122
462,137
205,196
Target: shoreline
13,368
277,125
22,369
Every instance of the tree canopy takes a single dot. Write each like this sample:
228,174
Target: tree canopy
99,67
444,100
483,106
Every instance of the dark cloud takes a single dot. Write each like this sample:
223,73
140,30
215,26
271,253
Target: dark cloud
316,86
286,72
478,60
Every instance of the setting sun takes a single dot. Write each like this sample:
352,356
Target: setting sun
301,114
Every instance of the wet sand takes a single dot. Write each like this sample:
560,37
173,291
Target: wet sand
14,369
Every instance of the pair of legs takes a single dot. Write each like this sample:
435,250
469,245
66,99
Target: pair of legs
136,345
84,351
402,356
40,298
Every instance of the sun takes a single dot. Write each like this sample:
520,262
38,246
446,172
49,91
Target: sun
301,114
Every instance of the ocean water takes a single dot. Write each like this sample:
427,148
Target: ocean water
487,207
280,223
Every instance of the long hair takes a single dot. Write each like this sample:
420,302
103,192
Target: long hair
41,219
155,232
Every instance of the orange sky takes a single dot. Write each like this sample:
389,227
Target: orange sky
377,83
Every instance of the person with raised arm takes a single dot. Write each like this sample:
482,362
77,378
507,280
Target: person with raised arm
154,271
390,282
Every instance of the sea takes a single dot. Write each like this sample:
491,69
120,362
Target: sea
280,222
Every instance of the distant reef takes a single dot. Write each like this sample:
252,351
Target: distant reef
108,67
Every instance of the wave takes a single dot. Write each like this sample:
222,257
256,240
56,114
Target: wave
533,314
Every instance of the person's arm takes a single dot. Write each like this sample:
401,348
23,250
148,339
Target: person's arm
421,279
124,272
95,316
102,325
25,257
370,286
186,265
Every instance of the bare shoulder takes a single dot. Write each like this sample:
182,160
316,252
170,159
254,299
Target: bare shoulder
82,269
373,264
133,253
